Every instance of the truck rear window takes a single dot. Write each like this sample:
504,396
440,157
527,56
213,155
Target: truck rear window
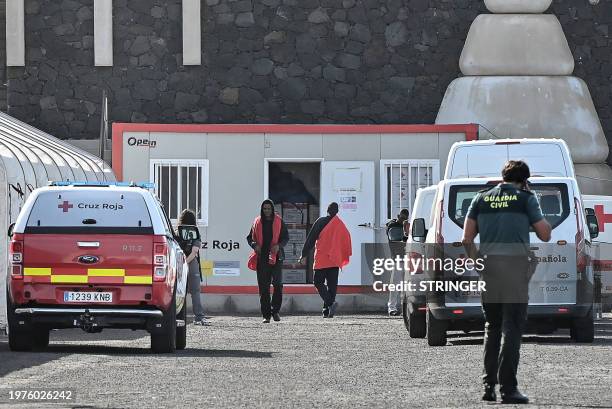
553,200
89,211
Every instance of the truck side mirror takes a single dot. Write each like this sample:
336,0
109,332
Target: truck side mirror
418,229
591,220
10,229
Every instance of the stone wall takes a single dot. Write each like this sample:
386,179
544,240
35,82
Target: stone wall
268,61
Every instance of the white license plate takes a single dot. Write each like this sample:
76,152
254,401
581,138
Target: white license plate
88,296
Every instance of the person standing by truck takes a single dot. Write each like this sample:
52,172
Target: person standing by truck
194,278
397,233
332,243
502,216
268,237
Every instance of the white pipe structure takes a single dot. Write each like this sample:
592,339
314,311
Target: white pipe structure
30,158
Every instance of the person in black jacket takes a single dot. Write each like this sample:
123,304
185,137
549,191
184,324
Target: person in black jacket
267,237
397,234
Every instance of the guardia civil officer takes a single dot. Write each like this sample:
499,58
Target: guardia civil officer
502,216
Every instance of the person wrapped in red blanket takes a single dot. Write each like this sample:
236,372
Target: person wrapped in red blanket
332,243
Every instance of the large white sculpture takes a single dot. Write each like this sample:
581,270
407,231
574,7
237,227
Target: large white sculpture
518,84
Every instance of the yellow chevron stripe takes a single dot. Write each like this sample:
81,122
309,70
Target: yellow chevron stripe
138,280
105,272
69,279
31,271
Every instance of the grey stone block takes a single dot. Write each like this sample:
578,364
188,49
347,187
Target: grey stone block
341,29
140,46
396,34
84,14
275,37
361,33
332,73
230,96
262,66
318,16
48,103
245,19
349,61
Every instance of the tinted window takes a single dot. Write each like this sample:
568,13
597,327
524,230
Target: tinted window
101,211
553,200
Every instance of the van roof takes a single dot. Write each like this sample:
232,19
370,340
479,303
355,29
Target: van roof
481,180
508,141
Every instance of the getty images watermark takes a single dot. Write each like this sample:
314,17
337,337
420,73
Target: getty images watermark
415,266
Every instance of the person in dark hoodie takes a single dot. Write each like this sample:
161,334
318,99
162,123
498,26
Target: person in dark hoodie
267,237
332,243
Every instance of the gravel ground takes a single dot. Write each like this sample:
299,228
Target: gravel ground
356,361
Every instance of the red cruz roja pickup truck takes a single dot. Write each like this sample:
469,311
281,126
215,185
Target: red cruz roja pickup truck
93,257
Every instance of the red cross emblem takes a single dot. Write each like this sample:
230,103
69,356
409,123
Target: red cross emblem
65,206
602,217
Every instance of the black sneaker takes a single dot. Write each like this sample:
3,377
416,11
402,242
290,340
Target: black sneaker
489,393
266,321
276,317
514,397
325,312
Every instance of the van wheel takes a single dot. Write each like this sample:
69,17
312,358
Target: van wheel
436,331
583,329
181,330
414,322
164,340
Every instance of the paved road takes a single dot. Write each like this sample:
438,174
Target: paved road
350,361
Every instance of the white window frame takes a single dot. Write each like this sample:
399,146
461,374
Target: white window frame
201,163
386,163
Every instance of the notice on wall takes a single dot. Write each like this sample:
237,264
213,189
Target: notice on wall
348,203
226,268
206,267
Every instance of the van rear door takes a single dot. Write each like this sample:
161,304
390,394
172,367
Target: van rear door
87,238
554,281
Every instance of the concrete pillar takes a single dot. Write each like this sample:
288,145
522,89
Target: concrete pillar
15,33
103,33
192,34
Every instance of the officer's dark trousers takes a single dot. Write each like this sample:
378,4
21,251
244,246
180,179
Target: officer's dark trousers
505,310
267,275
327,292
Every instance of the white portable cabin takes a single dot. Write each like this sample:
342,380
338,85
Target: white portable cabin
30,158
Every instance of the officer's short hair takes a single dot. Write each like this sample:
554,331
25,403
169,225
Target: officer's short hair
515,171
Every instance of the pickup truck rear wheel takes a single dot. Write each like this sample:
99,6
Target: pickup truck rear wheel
436,331
20,339
164,340
40,338
181,330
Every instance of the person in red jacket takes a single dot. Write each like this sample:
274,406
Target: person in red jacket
332,243
268,236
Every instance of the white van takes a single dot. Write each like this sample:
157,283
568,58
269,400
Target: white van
602,206
413,304
560,291
545,157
